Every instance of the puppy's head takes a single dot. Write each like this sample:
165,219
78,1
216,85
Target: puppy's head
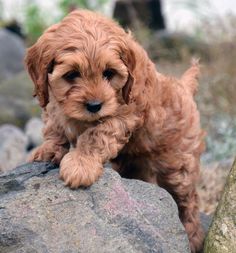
86,63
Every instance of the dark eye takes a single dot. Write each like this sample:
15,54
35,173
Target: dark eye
108,74
71,76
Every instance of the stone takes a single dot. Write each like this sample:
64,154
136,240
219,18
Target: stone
39,214
12,51
222,233
13,143
33,130
16,101
133,13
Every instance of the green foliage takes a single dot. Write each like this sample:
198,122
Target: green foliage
37,20
92,5
34,22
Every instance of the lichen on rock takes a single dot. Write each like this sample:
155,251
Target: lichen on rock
222,234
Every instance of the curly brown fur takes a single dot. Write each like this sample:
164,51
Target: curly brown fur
147,126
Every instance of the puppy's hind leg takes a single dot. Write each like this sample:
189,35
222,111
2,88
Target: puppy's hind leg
179,180
134,167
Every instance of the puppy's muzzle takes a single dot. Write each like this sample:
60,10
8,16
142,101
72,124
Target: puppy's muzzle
93,106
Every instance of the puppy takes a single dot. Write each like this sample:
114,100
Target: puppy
103,100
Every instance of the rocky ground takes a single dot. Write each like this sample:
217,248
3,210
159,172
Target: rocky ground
12,51
16,143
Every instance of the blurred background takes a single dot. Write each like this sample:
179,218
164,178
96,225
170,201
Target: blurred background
172,32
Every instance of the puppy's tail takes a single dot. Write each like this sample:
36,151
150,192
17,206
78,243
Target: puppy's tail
190,78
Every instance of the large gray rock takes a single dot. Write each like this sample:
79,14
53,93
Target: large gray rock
39,214
132,13
13,143
12,52
222,234
33,130
16,101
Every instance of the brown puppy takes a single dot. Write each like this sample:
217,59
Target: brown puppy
101,94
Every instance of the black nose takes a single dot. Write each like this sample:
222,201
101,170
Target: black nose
93,106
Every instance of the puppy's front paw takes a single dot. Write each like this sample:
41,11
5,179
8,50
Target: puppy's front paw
77,170
48,152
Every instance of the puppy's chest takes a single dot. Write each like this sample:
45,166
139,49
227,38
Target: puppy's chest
71,134
74,129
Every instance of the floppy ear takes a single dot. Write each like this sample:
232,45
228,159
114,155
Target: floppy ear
127,89
128,57
39,62
38,70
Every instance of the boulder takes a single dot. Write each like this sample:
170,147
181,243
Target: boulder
12,51
13,143
16,101
132,13
39,214
33,130
222,233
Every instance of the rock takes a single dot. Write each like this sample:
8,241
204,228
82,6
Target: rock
33,131
39,214
12,51
16,101
15,27
222,233
132,13
12,147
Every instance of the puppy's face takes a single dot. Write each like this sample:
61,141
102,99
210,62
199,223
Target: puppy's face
86,82
85,63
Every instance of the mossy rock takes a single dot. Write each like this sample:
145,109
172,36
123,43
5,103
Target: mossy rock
222,234
16,101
